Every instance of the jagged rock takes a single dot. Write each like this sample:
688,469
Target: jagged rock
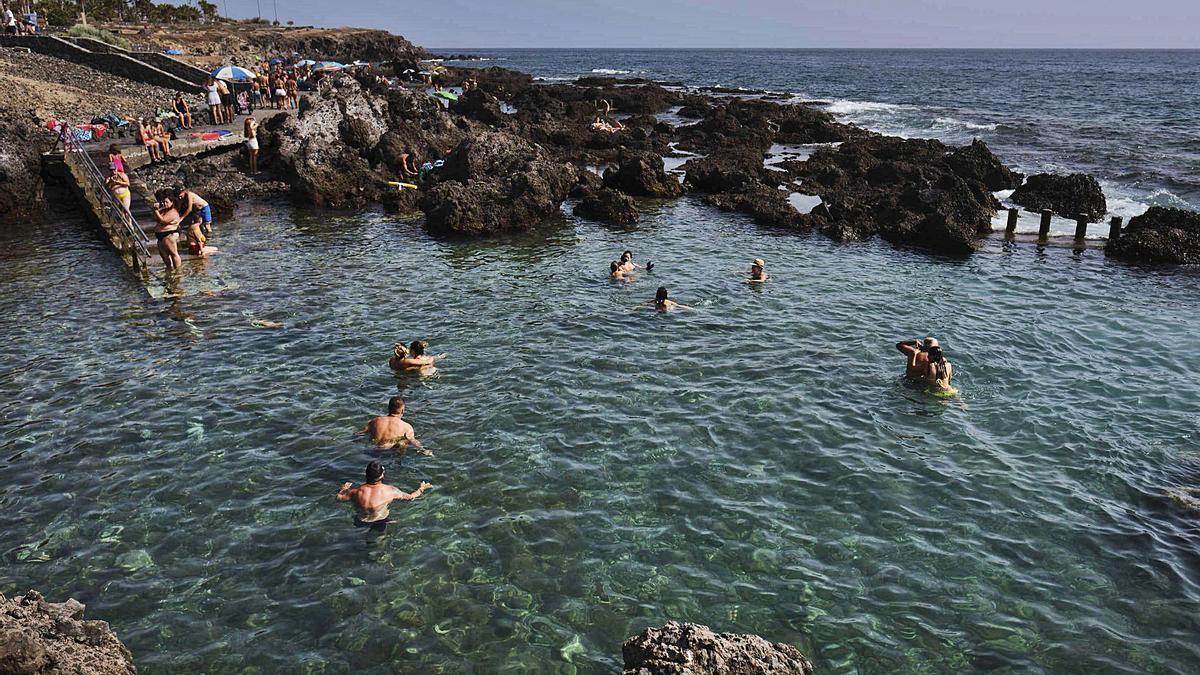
587,183
39,637
767,205
692,649
495,182
642,175
977,162
479,105
319,148
725,171
1068,196
608,206
1160,235
908,191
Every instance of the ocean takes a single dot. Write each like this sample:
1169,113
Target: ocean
754,464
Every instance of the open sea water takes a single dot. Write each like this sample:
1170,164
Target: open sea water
754,464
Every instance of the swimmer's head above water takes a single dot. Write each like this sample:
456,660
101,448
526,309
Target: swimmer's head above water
374,472
396,405
660,296
417,348
400,350
929,343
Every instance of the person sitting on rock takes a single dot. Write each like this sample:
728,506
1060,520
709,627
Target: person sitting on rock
371,499
391,432
182,111
145,136
757,274
664,304
917,352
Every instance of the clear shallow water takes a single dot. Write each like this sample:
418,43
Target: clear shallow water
754,465
1126,116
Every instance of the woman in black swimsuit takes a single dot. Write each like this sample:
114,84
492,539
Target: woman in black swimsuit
167,230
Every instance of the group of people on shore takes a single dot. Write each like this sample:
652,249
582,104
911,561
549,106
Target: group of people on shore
389,432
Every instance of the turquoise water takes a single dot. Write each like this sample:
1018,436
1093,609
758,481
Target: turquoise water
755,464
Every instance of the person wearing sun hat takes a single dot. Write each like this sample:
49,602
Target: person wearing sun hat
757,273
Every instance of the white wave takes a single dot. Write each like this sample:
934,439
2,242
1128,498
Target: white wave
951,123
610,71
845,107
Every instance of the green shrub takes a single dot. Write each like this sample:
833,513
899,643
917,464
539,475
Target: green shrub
81,31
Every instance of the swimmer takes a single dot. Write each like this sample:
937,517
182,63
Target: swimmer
918,356
412,357
628,265
664,304
392,432
616,271
938,372
757,275
371,499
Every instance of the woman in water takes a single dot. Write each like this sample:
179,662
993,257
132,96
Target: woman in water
412,357
938,373
664,304
167,229
627,264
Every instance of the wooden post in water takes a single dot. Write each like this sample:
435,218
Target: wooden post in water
1044,228
1081,223
1013,215
1114,227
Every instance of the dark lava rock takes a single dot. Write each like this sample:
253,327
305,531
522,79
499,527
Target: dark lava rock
768,206
608,206
21,197
1160,235
587,183
495,182
1068,196
976,162
692,649
723,171
908,191
39,637
480,105
642,175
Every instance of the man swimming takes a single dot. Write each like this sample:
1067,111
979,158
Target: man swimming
917,352
371,499
392,432
756,271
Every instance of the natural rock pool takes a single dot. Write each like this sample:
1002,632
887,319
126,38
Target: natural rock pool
755,464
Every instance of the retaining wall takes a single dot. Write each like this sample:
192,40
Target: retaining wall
110,62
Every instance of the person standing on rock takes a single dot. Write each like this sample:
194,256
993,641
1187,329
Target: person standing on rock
391,432
213,95
371,499
917,352
251,132
226,102
10,21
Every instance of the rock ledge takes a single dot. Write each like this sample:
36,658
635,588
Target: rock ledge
692,649
39,637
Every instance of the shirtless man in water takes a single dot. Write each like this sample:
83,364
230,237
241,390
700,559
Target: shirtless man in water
371,499
392,432
917,352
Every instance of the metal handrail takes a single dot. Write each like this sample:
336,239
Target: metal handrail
72,147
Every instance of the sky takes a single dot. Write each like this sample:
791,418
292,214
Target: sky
442,24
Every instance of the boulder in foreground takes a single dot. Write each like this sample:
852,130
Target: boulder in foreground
1068,196
1160,235
39,637
608,206
692,649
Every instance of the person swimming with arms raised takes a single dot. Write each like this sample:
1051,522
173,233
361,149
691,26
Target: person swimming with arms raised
391,432
938,372
917,352
757,274
664,304
413,356
371,499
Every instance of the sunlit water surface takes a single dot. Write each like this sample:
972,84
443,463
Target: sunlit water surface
755,464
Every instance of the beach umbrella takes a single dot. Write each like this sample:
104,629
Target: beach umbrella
276,60
233,74
326,66
173,52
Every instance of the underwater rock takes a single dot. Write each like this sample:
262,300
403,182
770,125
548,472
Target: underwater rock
39,637
1160,235
692,649
1068,196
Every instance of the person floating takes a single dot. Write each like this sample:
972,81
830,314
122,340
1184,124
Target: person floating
392,432
917,352
371,499
664,304
938,372
412,357
757,274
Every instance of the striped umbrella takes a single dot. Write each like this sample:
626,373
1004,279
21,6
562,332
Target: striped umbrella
233,74
326,66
